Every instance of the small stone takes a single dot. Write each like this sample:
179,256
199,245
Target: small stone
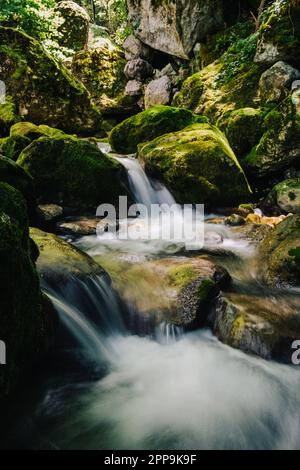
135,49
134,88
158,91
235,220
49,212
276,82
138,69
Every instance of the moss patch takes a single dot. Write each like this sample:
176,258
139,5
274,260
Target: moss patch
73,172
149,124
198,166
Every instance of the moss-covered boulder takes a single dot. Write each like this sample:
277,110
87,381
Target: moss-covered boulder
12,146
15,176
22,321
101,71
32,131
73,30
279,254
198,166
149,124
262,325
279,34
40,89
243,129
229,83
285,196
279,146
59,261
72,172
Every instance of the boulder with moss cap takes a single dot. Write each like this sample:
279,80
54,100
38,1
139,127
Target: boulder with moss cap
198,165
72,172
149,124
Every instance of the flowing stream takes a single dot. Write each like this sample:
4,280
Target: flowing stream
152,388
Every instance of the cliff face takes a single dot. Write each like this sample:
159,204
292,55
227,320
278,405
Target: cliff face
174,26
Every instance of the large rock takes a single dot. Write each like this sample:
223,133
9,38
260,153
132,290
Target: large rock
243,129
22,321
158,91
262,325
72,172
175,290
174,27
197,165
15,176
59,261
40,90
279,35
149,124
138,69
275,83
285,196
279,146
74,28
279,254
101,71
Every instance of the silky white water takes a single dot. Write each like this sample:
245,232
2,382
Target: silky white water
170,390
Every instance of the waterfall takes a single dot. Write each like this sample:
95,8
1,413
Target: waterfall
90,310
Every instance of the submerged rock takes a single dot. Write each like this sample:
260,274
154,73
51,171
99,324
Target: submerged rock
41,90
279,254
72,172
197,165
149,124
82,226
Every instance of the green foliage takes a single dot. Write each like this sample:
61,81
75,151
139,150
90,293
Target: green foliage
113,15
31,16
239,56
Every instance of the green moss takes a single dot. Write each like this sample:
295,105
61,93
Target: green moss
72,171
279,145
205,289
22,323
32,131
59,260
11,147
243,128
42,88
8,115
180,276
16,176
101,70
191,92
279,253
149,124
198,166
281,27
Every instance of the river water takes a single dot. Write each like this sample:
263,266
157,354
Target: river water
106,387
